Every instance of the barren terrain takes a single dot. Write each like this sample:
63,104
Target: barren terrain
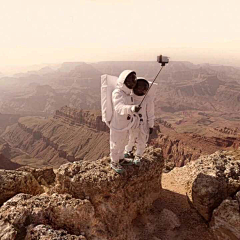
197,110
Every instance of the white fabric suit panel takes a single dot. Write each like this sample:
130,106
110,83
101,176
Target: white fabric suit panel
139,136
119,125
118,141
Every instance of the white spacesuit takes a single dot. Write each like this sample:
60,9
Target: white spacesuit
139,133
122,120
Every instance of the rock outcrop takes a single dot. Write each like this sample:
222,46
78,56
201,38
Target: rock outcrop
132,193
25,212
14,182
212,185
88,201
225,222
211,180
213,188
45,176
227,130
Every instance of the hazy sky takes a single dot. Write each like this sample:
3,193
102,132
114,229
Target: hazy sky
54,31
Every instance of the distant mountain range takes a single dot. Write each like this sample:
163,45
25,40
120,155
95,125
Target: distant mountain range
182,86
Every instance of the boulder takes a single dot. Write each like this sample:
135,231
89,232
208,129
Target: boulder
118,199
14,182
46,232
225,222
45,175
212,179
24,212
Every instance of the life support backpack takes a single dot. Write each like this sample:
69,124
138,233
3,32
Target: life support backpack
108,84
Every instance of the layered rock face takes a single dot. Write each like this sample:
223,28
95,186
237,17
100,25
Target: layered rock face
87,201
92,119
175,151
182,148
69,136
203,93
74,134
227,130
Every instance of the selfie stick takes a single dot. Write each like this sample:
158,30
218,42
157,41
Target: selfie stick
151,85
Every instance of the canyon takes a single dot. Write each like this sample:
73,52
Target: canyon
56,182
80,135
70,135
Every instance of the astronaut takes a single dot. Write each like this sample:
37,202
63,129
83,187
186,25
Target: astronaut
139,133
123,119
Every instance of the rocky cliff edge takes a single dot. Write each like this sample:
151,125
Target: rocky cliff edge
85,201
88,200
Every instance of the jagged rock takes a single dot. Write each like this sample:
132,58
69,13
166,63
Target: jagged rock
176,151
24,212
211,180
180,149
7,231
227,130
118,199
14,182
225,222
45,176
43,232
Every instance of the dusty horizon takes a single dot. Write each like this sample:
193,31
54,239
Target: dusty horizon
10,70
118,30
